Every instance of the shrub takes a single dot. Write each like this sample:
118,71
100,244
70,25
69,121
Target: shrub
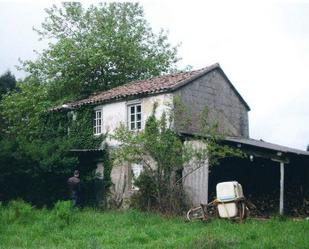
174,201
63,212
20,211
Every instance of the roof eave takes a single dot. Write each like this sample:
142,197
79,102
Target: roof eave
114,99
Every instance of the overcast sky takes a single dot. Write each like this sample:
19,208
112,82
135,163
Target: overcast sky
262,47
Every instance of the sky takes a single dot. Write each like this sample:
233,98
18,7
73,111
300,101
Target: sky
263,47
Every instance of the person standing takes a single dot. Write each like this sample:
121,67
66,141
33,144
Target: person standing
74,188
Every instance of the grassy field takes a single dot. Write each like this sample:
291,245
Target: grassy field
24,227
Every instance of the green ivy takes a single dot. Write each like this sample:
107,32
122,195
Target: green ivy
107,163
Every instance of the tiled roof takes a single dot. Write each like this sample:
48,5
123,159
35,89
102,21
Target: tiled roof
154,85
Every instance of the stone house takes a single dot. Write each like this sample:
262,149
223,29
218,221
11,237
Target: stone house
131,104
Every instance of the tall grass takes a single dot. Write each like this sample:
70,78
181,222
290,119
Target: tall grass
22,226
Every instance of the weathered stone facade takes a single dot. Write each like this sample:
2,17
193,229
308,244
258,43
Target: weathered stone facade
224,105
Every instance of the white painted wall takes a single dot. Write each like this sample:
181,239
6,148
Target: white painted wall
116,113
164,101
113,115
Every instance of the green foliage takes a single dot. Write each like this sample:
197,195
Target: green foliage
81,130
145,199
90,50
20,211
92,229
163,153
98,48
63,212
21,147
107,168
35,157
160,150
157,141
21,110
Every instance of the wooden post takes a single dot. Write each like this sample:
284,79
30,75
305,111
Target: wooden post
207,181
281,205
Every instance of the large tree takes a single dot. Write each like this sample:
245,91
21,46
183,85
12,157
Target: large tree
99,48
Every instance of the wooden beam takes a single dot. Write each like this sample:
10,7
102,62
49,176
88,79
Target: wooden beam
281,205
268,155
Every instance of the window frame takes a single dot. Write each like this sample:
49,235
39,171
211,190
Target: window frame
135,121
98,121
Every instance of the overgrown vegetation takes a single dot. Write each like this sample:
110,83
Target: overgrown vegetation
89,50
91,229
163,153
157,144
35,149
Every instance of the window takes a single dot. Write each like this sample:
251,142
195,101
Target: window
135,117
97,122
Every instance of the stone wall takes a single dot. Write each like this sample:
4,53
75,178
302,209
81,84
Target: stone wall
224,105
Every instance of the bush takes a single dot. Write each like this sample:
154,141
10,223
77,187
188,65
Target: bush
20,211
63,212
174,201
158,189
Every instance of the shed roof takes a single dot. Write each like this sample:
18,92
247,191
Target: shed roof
265,145
160,84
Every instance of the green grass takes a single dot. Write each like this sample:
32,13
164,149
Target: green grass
31,228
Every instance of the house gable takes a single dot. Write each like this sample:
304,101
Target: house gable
225,105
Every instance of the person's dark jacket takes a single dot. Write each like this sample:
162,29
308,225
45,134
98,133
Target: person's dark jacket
74,184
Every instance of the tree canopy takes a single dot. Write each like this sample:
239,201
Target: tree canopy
98,48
